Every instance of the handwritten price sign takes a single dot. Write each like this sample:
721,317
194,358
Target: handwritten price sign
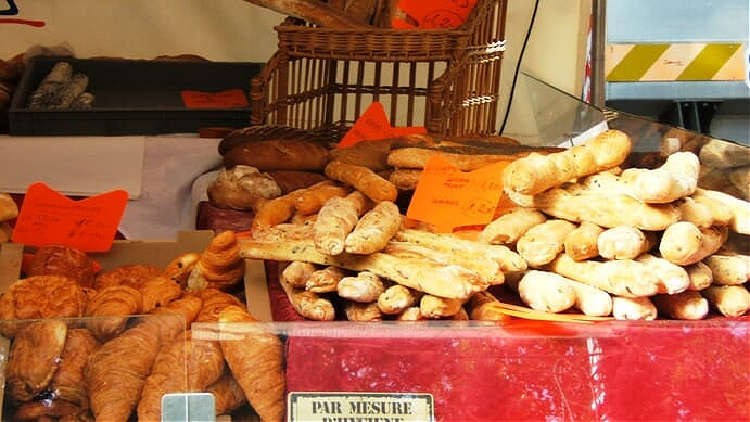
373,124
448,198
48,217
224,99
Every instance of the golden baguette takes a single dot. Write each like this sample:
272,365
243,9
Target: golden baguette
536,173
446,280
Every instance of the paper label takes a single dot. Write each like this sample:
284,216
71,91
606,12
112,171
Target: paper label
49,217
434,14
224,99
373,124
448,198
335,407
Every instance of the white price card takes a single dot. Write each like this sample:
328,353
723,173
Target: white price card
361,407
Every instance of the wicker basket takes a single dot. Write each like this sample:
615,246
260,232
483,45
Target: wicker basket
446,80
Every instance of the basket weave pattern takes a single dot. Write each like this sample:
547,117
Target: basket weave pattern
446,80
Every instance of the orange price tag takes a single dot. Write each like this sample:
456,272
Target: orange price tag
223,99
447,197
374,124
437,13
48,217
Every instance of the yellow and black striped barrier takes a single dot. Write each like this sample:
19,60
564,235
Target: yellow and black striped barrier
688,61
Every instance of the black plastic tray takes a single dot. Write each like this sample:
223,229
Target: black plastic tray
135,97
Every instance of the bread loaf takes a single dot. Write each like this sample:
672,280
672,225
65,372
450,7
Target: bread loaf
279,155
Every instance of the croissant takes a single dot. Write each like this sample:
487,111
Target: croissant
213,302
183,365
116,372
227,393
255,359
220,265
49,410
63,261
116,303
34,357
68,383
179,268
159,291
133,275
40,297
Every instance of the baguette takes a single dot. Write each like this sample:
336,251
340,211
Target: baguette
373,231
363,179
582,242
417,158
676,178
739,209
730,301
405,179
536,173
688,305
622,277
606,209
444,280
542,243
509,227
683,243
633,308
275,154
507,259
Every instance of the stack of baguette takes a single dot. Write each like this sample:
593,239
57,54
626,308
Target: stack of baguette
585,235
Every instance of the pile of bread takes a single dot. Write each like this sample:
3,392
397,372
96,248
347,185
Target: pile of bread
581,231
8,212
107,345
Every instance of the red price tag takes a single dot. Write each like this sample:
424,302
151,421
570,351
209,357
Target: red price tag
223,99
439,14
48,217
447,197
373,124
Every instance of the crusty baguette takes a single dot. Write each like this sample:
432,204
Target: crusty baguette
450,281
676,178
536,172
582,242
739,209
730,301
543,242
373,231
633,308
623,277
417,158
509,227
363,179
606,209
688,305
683,243
507,259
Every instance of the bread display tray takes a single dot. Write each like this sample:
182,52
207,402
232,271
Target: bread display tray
134,97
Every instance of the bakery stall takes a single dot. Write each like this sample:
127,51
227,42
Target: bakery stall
392,235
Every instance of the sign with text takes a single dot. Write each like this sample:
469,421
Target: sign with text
224,99
447,197
333,407
48,217
373,124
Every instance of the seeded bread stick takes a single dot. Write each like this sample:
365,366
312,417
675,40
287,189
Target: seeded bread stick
676,178
336,219
446,280
546,291
729,269
509,227
507,259
363,179
671,278
325,280
625,242
297,273
374,229
396,298
365,287
683,243
633,308
688,305
700,276
362,312
582,243
739,209
621,277
439,307
536,173
542,243
730,301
